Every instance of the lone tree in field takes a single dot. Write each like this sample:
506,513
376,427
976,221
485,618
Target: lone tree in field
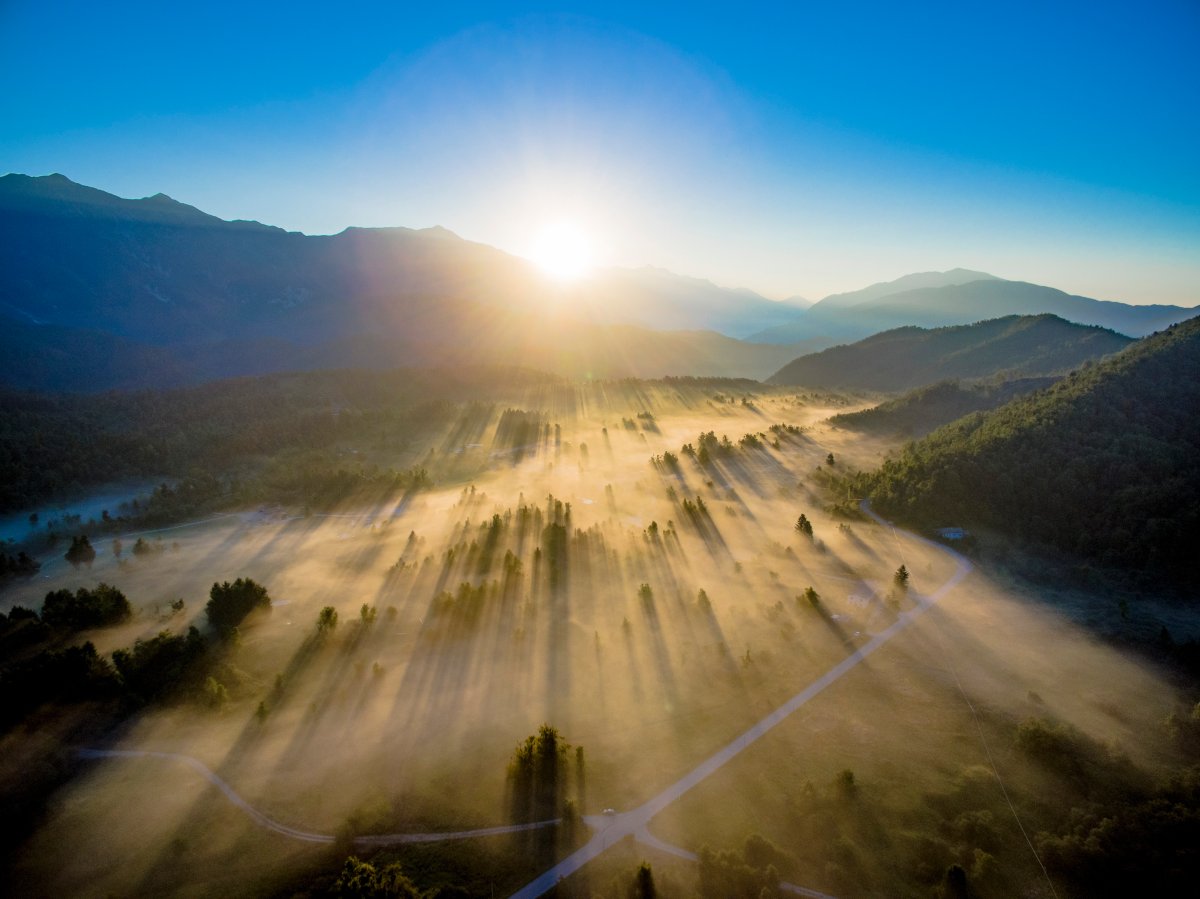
956,883
829,460
804,526
538,775
81,552
814,598
326,619
901,579
229,603
646,595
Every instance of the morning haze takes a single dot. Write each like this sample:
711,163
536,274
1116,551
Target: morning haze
599,454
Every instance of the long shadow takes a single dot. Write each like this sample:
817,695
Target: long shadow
659,653
250,734
859,544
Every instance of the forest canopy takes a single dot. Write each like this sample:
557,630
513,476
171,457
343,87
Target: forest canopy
1101,466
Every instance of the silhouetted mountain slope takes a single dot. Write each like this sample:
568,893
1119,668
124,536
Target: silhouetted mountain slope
161,271
48,357
103,292
1101,466
926,409
158,271
910,357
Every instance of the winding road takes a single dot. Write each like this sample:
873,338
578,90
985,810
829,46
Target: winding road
380,839
608,829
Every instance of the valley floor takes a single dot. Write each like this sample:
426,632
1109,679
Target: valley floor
575,565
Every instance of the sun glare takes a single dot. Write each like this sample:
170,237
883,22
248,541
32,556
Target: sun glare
563,252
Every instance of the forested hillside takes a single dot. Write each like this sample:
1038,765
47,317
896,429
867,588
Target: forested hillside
1101,466
926,409
910,357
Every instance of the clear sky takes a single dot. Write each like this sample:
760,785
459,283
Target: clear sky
800,148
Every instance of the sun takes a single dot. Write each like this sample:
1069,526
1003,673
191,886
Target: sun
563,251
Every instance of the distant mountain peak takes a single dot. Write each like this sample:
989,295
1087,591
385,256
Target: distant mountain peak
439,231
914,281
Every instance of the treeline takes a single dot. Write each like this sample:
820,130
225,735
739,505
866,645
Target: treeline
1113,832
52,445
38,667
314,480
21,565
1101,466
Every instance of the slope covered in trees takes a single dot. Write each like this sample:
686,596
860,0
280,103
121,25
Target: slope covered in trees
1101,466
911,357
926,409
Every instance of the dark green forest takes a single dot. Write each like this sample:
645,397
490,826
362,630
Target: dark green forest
926,409
55,445
1101,466
910,357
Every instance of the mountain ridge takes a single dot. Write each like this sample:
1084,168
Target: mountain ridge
910,357
81,257
897,303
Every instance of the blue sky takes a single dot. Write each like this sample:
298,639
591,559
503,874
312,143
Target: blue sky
803,149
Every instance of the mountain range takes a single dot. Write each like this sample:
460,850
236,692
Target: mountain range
109,292
99,292
959,297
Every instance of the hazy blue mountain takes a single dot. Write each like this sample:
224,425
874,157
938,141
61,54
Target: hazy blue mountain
958,297
660,299
161,271
909,357
916,281
963,303
103,292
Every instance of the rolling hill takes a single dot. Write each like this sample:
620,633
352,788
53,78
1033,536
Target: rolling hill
926,409
910,357
1101,466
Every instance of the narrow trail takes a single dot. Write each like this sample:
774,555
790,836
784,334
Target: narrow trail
610,829
262,820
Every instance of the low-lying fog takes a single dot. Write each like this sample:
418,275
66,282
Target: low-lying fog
563,570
